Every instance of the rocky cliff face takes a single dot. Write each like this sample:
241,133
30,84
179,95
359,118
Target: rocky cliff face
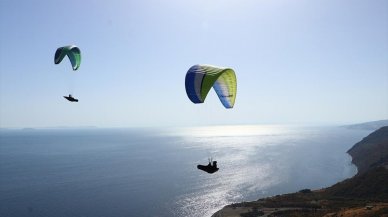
372,151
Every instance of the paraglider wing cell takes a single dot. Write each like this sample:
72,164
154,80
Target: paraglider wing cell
226,88
193,84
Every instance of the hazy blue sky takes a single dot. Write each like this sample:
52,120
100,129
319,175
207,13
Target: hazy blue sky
301,61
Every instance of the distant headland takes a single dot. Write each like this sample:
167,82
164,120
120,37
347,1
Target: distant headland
372,125
365,194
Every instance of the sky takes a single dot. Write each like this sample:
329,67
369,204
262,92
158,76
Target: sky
296,62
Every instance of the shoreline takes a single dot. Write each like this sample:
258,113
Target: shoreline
355,196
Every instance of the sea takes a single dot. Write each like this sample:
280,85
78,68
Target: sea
93,172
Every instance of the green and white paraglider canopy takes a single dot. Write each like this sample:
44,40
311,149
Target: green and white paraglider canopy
72,51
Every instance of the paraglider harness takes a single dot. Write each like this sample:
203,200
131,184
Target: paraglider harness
210,168
71,98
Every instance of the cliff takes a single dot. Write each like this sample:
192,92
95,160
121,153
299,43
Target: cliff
364,195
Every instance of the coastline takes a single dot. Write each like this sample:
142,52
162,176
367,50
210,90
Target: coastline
351,196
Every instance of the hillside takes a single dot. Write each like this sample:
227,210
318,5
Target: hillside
364,195
371,185
372,151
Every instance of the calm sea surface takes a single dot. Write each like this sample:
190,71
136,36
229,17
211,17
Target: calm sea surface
152,172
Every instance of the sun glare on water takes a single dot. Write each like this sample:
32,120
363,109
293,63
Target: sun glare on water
233,130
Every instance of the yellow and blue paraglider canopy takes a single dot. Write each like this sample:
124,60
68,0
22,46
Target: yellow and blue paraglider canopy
201,78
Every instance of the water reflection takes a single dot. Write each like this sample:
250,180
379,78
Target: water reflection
258,161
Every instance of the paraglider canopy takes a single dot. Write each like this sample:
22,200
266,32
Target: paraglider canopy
72,51
201,78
